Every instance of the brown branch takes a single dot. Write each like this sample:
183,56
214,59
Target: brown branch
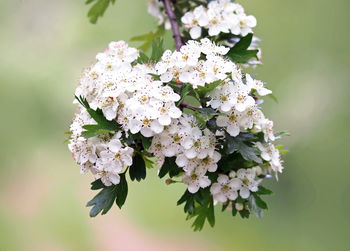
174,25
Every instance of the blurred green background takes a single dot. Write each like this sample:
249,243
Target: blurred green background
44,46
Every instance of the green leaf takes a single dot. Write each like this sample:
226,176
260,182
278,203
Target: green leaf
150,161
259,202
103,126
97,185
138,168
122,191
240,53
98,9
273,97
234,210
189,199
146,142
204,91
211,215
148,38
187,90
143,58
157,49
169,166
233,144
280,134
199,206
263,190
253,206
244,213
103,201
202,213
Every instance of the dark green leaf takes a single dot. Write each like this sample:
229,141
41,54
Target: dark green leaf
211,215
240,53
138,168
234,210
103,126
103,201
203,212
122,191
169,166
259,202
204,91
262,190
233,144
146,142
97,184
244,213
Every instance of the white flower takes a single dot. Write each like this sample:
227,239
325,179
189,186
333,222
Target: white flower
230,122
257,85
272,155
244,100
195,20
225,188
246,23
249,182
217,23
195,178
223,97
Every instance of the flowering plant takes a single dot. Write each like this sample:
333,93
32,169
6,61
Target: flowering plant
192,113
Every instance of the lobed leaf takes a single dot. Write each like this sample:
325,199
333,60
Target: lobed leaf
98,9
103,201
240,53
138,168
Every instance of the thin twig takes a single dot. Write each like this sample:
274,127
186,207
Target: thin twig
174,25
185,105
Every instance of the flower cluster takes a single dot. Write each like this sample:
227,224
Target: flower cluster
197,63
104,156
220,16
193,113
127,92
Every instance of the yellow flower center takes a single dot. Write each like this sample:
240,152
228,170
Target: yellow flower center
146,122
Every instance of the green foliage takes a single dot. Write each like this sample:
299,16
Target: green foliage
239,144
143,58
169,167
98,9
280,134
264,191
103,201
138,168
157,49
148,38
254,205
203,91
103,126
240,53
187,90
199,206
204,211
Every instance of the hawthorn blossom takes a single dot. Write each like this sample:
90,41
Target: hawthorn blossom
225,188
195,178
